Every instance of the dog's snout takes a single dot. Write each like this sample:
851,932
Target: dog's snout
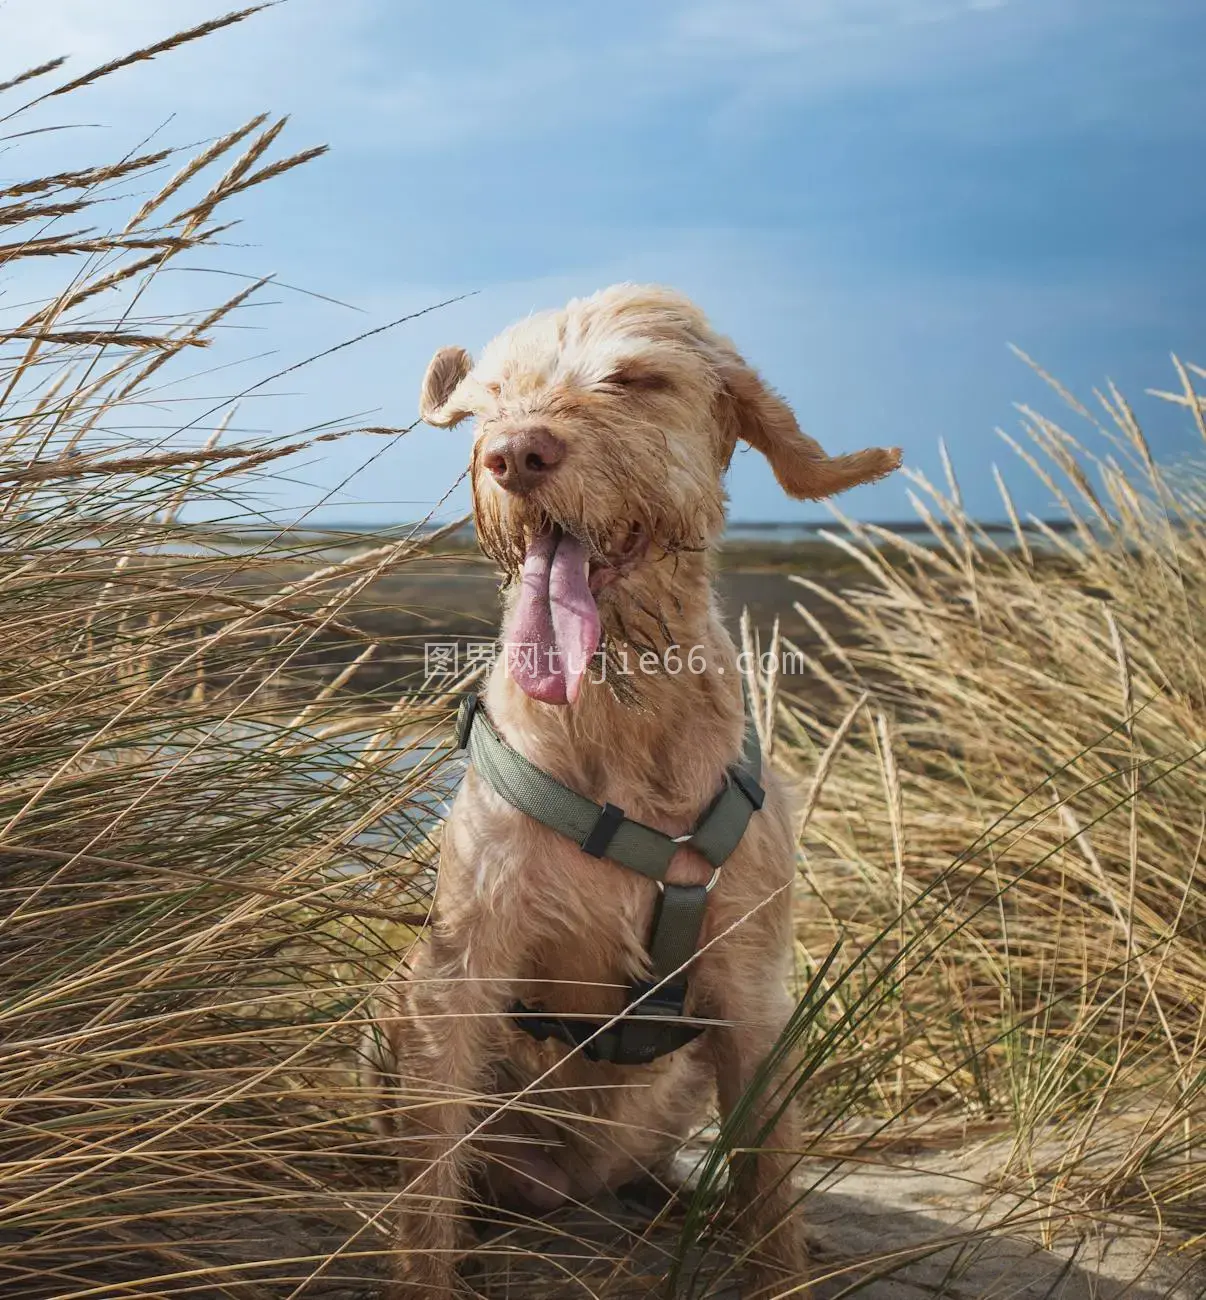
522,459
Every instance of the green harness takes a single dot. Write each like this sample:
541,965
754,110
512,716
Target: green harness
651,1023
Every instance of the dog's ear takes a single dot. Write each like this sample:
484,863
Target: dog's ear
437,397
755,413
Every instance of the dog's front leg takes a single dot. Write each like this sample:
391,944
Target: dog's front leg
760,1117
455,1009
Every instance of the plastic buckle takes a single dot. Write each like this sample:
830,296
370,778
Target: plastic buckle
646,1031
638,1044
536,1025
668,1000
464,719
748,787
600,834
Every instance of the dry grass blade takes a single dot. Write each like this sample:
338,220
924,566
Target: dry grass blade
239,178
56,246
86,177
18,213
279,167
192,168
101,338
173,42
40,71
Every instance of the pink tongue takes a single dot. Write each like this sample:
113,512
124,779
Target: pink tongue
554,627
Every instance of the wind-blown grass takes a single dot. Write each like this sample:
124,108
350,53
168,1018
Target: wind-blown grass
203,860
1006,844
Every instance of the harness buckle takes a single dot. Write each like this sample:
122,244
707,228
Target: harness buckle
642,1034
465,714
748,787
647,1030
600,835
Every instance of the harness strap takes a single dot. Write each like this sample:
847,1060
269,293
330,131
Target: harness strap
603,830
649,1028
676,926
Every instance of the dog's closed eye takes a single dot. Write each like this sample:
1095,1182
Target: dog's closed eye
632,375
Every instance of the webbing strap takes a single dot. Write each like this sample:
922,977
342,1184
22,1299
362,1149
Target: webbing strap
652,1026
603,830
676,926
648,1029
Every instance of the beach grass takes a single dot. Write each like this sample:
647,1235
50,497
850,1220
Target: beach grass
205,859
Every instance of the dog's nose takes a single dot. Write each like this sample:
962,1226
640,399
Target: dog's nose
522,459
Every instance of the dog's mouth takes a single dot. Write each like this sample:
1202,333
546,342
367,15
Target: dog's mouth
555,629
625,550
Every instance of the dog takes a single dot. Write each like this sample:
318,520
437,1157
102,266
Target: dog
603,434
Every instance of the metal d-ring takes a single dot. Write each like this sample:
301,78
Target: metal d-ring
711,885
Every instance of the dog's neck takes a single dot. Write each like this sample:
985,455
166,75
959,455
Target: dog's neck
667,715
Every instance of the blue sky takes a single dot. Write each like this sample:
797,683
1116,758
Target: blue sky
872,197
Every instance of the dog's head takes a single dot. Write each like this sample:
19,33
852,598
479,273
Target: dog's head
604,431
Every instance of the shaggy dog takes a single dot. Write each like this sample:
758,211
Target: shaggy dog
604,431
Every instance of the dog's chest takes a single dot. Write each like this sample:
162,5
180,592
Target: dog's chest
568,909
560,884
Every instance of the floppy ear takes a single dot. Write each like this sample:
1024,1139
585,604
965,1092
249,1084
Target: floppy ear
759,416
437,404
